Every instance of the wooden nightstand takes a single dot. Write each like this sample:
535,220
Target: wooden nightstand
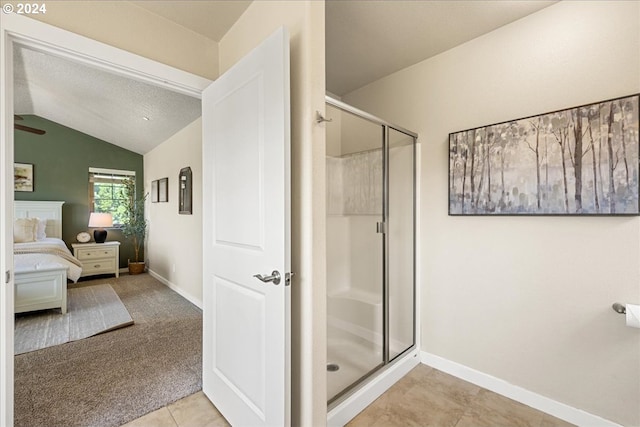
98,258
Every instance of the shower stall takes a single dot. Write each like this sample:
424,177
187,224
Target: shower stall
371,228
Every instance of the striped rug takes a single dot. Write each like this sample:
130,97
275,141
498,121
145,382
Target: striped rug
91,310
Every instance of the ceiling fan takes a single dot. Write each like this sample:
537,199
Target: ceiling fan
26,128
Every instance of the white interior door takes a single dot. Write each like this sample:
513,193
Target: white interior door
246,223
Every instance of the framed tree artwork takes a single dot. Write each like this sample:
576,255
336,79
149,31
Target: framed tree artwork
578,161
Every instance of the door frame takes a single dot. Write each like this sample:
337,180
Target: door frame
55,41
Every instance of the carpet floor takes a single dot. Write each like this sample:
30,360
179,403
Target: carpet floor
113,378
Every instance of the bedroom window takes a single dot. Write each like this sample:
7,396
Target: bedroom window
107,192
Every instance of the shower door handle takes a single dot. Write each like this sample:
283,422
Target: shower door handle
274,278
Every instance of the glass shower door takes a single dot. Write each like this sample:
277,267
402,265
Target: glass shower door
400,244
355,263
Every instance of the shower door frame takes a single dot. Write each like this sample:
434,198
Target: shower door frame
386,360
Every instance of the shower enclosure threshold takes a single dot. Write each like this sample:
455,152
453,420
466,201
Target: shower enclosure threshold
340,413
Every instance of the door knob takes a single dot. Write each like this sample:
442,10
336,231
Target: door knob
275,277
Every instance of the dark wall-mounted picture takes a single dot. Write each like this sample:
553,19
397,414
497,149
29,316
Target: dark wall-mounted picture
22,177
154,191
185,192
163,190
578,161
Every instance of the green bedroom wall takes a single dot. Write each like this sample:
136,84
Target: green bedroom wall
61,159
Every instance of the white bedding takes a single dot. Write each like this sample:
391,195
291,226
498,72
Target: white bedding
38,261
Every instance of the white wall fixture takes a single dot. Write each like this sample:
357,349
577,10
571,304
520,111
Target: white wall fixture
633,315
631,312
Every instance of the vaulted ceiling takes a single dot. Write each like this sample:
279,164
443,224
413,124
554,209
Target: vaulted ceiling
365,40
128,113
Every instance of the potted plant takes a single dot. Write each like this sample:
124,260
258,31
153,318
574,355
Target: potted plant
134,225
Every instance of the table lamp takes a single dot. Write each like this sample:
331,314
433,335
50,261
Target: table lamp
100,221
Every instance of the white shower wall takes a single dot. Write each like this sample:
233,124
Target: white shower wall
355,249
354,206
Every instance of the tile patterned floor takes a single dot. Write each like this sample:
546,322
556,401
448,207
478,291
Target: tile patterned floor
192,411
424,397
428,397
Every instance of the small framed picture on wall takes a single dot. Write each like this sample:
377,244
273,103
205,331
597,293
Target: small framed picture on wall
185,192
154,191
163,190
23,177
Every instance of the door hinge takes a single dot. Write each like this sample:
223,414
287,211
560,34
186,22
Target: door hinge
7,276
381,227
287,278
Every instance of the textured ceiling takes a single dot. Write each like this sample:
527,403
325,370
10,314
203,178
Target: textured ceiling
104,105
370,39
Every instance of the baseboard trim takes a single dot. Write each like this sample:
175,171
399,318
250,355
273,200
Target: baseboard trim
519,394
176,289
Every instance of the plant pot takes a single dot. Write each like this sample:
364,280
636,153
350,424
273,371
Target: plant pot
136,267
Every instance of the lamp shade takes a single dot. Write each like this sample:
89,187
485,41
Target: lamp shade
100,220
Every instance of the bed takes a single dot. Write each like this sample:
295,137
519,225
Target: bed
43,266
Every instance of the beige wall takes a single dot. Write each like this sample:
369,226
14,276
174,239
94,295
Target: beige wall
305,22
138,31
526,299
174,242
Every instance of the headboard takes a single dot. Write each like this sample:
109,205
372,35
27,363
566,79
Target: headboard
51,211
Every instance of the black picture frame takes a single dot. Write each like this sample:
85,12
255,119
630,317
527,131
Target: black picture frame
185,191
163,190
154,191
580,161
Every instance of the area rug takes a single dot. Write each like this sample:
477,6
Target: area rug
90,311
